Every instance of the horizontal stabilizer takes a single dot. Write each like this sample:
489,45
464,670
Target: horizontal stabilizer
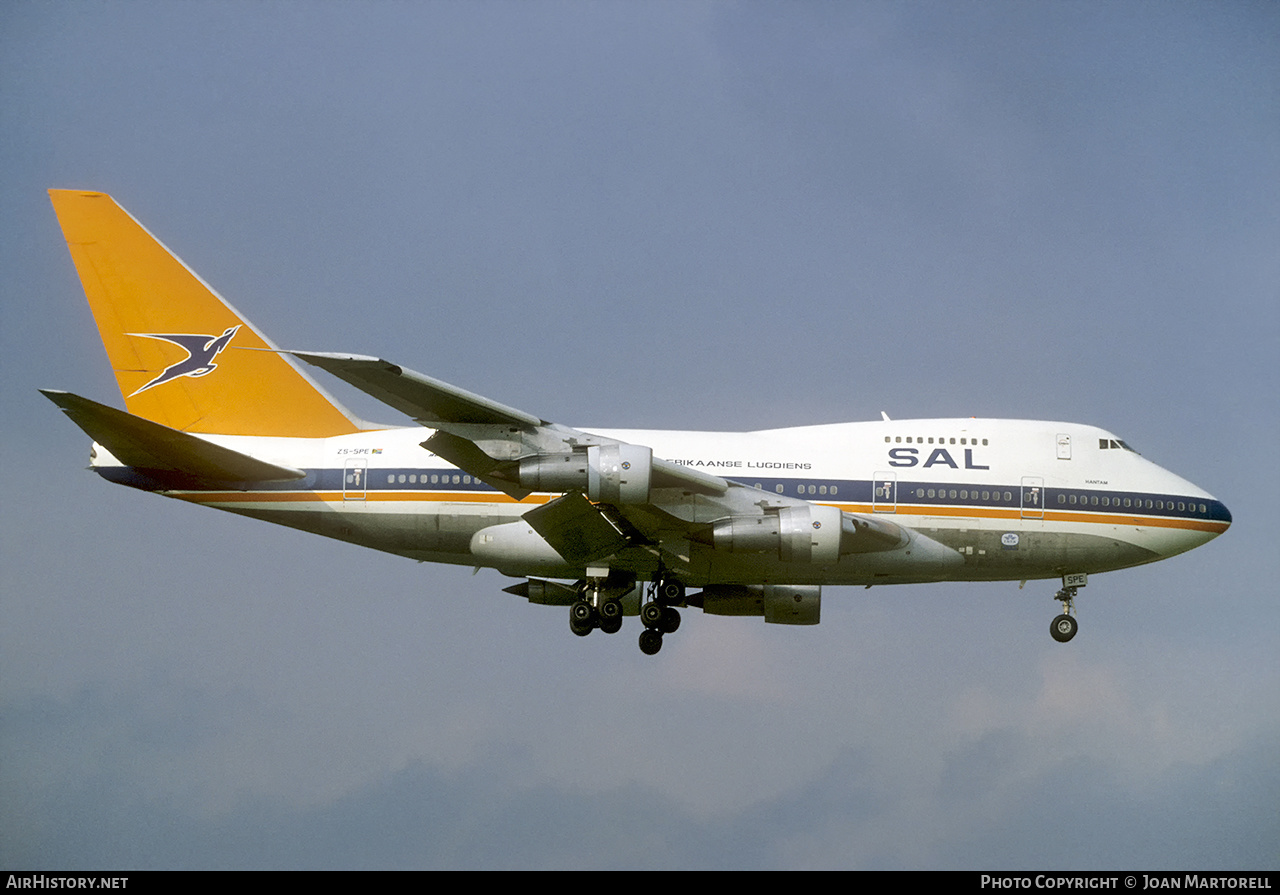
429,401
143,444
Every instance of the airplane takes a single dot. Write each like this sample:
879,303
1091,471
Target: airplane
606,523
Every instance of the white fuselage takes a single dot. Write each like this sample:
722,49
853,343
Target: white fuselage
1015,499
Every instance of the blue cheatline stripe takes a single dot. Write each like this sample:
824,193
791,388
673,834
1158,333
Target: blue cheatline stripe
910,494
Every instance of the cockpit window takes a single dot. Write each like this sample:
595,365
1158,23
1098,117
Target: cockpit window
1114,444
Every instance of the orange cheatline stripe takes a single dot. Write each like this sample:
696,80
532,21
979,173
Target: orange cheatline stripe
339,497
213,497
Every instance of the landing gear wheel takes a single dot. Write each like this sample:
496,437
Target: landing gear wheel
671,591
651,614
670,621
582,618
610,624
650,641
1063,628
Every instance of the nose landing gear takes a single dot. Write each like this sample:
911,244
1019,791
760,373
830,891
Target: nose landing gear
1064,626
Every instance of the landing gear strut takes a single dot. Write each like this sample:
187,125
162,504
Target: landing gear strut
1064,626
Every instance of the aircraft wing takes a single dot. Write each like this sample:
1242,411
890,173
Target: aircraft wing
429,401
614,495
470,418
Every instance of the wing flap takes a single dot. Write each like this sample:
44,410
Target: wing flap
576,528
466,455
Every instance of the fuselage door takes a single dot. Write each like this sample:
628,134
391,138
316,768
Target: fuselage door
1064,446
1032,497
353,480
884,492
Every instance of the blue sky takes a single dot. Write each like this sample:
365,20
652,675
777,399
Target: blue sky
693,215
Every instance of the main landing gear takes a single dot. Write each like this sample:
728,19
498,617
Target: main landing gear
1064,626
596,609
658,615
600,609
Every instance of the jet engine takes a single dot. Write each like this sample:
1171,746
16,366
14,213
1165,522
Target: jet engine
619,474
780,604
810,534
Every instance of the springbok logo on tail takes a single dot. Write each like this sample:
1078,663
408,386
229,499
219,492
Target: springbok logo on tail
201,350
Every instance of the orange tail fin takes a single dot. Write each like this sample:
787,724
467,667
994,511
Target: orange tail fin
174,344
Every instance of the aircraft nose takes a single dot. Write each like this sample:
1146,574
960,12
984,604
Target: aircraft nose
1219,517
